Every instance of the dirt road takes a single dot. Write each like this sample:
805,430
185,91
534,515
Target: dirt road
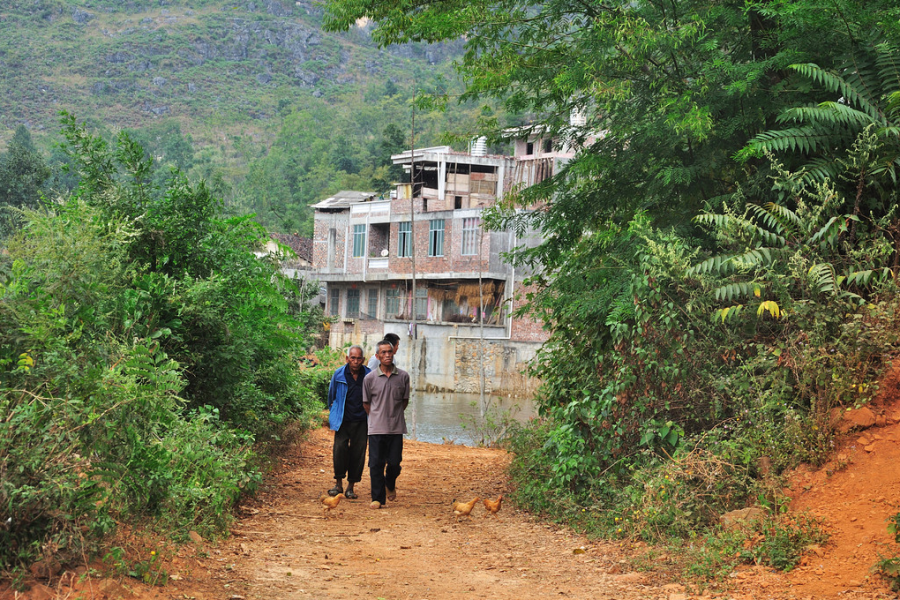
413,548
284,548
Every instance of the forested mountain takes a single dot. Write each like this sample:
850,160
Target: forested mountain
251,95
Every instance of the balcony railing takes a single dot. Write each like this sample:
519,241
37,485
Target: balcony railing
380,263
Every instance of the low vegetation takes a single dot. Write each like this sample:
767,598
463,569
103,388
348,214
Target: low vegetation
148,359
890,567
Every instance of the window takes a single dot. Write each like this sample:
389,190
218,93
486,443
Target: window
529,148
352,303
392,303
421,302
404,239
548,145
457,202
436,237
359,240
470,236
373,304
335,295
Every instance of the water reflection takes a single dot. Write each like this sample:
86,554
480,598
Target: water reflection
441,416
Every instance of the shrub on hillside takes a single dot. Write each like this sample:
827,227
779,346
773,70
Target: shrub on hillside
143,350
660,352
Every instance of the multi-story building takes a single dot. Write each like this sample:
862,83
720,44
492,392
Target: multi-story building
363,248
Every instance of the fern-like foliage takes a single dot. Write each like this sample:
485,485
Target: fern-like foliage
864,93
769,237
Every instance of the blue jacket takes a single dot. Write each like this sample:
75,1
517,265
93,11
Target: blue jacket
337,396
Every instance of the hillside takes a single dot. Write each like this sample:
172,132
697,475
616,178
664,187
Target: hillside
251,96
214,66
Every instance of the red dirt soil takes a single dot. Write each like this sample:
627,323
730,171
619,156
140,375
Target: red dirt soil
284,547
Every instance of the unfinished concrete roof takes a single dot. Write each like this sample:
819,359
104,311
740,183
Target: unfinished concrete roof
344,199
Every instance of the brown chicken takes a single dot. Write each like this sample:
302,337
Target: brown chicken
330,502
464,509
493,506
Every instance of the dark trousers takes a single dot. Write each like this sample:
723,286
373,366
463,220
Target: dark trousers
349,450
385,454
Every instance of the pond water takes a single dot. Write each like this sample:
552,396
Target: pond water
437,417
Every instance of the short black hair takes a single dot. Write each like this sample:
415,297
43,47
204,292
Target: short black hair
393,338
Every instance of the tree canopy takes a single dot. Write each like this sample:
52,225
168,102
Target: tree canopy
674,90
23,173
730,206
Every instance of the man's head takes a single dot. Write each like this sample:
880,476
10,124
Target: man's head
385,353
394,339
355,358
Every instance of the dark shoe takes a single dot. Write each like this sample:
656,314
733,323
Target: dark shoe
350,494
337,489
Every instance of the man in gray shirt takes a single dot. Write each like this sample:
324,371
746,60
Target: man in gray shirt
385,398
394,339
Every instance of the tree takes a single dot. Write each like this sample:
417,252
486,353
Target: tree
390,88
23,172
670,93
676,88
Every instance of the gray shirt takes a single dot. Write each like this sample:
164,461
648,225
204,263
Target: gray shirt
387,398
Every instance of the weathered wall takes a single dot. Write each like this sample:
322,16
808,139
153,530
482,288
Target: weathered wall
526,329
505,363
448,357
328,249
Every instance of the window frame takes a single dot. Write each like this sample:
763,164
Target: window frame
359,241
436,237
421,296
469,241
371,310
392,298
353,303
334,308
404,239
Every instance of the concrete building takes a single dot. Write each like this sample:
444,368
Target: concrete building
363,248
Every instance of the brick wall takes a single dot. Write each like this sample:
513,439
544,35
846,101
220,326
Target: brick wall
378,239
322,225
528,328
453,260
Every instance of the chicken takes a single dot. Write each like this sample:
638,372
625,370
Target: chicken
330,502
493,506
464,509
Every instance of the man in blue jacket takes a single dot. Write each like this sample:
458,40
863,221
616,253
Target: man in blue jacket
348,420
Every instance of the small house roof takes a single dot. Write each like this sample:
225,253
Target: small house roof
302,246
344,199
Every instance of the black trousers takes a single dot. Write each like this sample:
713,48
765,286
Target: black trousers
349,450
385,454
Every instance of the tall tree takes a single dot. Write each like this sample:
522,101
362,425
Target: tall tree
23,172
672,90
669,92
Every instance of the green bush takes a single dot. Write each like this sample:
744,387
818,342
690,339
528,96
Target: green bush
776,541
144,351
675,368
889,568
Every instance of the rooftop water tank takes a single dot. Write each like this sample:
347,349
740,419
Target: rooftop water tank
577,118
479,146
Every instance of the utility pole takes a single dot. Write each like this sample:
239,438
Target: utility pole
412,252
482,406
